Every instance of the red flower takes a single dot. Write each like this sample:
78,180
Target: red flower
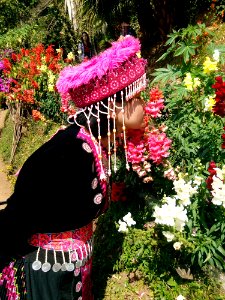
212,172
223,137
118,191
7,64
35,84
219,107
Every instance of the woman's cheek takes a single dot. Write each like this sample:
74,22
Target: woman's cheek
134,115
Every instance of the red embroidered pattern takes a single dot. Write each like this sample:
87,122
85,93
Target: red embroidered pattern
68,240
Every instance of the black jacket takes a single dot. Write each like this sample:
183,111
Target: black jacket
53,192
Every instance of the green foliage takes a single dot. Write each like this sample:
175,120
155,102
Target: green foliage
6,139
11,12
186,43
24,36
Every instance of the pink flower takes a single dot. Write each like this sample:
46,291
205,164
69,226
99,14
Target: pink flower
135,152
159,145
170,174
154,108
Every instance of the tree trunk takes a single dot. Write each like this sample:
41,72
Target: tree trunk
16,112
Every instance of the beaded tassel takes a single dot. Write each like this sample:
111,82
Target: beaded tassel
124,133
109,135
114,132
99,133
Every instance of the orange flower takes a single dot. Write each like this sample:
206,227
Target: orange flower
36,115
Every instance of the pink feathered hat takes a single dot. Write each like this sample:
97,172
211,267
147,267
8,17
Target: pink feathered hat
117,68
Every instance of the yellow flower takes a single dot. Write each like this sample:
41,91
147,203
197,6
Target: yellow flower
209,103
51,87
70,56
51,79
43,68
196,82
209,65
188,82
59,50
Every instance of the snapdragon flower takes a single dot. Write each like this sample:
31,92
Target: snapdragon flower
216,55
184,191
171,214
180,297
168,235
198,180
196,82
190,83
210,102
209,66
218,190
123,226
127,222
177,245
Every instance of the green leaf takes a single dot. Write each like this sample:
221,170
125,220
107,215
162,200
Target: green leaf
171,282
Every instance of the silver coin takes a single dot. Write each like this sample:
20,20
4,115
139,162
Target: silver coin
56,267
70,267
36,265
46,267
64,267
78,263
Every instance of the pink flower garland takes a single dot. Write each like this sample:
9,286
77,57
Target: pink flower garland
151,145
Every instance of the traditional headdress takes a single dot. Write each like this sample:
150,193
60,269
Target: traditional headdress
119,68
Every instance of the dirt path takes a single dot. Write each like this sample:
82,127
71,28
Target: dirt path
5,186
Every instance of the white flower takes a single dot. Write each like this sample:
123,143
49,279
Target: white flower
128,219
216,55
169,235
198,180
218,190
184,191
123,226
219,173
127,222
177,245
171,214
180,297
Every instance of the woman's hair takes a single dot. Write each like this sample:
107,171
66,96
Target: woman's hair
88,38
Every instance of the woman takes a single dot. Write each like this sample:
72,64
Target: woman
84,47
63,186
